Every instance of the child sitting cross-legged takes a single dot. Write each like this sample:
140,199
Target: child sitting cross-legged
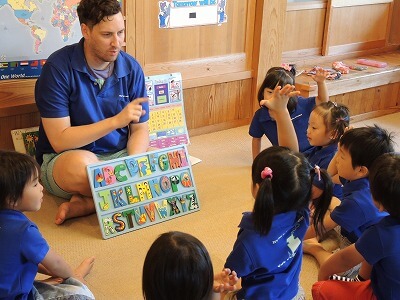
378,246
358,149
267,254
24,252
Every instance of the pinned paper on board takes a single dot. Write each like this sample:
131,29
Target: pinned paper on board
184,13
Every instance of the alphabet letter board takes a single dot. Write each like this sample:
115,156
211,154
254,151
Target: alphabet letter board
137,191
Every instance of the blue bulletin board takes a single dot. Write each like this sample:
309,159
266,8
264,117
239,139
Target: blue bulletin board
137,191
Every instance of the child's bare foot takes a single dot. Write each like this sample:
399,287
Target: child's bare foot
84,269
310,245
52,280
78,206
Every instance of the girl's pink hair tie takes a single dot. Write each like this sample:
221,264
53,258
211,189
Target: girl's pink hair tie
266,173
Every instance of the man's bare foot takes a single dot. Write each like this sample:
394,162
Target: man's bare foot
77,206
63,210
84,269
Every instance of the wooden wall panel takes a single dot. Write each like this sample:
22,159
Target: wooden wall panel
359,24
371,102
198,52
356,25
175,44
218,106
394,37
296,37
268,40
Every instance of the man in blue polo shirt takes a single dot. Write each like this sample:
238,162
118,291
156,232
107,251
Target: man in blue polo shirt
93,106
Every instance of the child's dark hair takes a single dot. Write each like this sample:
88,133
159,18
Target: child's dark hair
365,144
336,118
384,178
177,266
92,12
17,170
289,187
278,76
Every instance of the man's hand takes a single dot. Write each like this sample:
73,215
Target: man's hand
131,113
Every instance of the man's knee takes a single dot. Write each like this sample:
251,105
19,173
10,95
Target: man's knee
69,169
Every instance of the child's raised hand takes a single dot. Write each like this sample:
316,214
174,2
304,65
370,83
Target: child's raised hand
348,128
320,74
225,281
280,98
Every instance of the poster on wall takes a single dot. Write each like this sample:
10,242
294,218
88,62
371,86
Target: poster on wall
133,192
184,13
32,30
167,124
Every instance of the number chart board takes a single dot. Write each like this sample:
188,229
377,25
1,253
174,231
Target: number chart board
167,124
137,191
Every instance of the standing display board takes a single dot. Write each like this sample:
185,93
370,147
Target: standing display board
137,191
167,124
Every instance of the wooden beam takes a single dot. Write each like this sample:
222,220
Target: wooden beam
268,39
293,6
344,3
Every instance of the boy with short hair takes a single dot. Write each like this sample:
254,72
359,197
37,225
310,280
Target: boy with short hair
378,245
358,149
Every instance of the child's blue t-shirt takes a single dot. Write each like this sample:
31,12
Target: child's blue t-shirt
322,156
263,124
269,265
356,212
380,247
20,255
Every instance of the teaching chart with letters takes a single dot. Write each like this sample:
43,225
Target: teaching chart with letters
167,124
137,191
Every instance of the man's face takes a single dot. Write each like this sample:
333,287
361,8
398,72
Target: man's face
104,40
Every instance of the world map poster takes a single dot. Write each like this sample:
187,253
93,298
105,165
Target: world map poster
31,30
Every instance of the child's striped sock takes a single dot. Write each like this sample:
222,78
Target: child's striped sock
348,279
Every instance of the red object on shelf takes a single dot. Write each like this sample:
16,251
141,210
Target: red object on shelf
372,63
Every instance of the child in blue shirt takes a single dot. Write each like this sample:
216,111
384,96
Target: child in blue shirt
24,252
378,246
267,254
358,149
263,123
327,123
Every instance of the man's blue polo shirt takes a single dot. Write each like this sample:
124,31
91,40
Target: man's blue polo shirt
66,88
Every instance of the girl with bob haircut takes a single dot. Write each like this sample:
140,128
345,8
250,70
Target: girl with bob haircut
178,266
